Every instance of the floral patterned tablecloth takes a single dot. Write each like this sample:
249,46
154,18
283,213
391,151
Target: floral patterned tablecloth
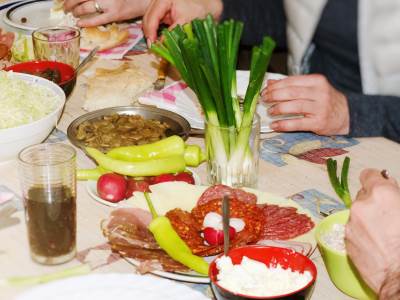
291,164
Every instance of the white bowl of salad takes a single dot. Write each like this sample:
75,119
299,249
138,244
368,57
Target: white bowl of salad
30,107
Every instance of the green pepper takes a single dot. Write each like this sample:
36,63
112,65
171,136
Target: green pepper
173,145
90,174
152,167
193,155
171,242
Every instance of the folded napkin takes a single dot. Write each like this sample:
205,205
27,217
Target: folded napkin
177,98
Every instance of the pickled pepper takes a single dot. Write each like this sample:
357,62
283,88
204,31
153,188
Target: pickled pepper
152,167
170,242
170,146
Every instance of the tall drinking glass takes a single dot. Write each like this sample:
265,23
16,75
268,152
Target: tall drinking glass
47,174
60,43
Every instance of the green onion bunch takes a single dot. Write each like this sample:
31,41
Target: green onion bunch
205,54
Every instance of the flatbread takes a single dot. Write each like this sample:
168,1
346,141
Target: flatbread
118,86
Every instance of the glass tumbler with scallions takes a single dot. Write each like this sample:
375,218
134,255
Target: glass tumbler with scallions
222,165
205,54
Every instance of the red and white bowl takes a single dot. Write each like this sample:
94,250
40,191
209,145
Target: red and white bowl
271,256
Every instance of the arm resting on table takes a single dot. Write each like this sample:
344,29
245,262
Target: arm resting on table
374,115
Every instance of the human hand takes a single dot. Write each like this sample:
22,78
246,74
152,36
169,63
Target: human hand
113,10
324,108
173,12
373,230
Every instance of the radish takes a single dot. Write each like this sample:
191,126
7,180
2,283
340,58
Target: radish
184,176
215,237
112,187
163,178
136,186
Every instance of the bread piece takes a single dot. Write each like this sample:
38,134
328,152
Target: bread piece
115,87
57,10
105,37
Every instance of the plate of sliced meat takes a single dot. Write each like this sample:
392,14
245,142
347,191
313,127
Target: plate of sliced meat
255,216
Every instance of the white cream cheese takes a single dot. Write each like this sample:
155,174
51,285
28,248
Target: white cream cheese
335,238
254,278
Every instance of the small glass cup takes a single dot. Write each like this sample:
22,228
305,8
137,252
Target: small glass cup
47,174
60,43
230,166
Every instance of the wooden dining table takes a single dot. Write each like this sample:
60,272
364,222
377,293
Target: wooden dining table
291,165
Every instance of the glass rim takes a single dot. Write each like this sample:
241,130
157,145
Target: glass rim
46,146
39,30
256,121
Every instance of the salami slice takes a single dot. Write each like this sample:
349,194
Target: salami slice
283,223
189,225
219,191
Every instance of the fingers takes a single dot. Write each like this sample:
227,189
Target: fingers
70,4
370,178
299,80
289,93
291,107
85,8
95,21
157,10
299,124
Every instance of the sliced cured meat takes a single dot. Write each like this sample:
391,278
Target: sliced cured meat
150,260
283,223
219,191
127,233
128,227
129,215
189,225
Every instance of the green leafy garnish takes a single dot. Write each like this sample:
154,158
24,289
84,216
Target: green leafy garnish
340,185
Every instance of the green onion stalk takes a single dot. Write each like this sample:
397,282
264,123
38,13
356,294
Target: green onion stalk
205,53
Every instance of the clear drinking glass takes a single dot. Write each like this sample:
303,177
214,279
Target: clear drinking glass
60,43
47,174
234,168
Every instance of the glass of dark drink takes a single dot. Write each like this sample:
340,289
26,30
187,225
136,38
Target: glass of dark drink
48,179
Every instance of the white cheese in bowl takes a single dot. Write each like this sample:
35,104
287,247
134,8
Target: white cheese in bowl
254,278
335,238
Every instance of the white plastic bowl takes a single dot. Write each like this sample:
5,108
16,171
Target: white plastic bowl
13,140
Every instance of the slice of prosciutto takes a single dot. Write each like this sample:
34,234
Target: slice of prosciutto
218,191
127,232
128,227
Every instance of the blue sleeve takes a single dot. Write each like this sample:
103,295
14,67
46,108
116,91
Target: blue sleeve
260,18
374,115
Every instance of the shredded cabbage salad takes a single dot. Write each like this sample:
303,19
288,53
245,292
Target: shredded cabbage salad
22,102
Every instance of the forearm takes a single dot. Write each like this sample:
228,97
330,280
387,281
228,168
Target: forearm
260,17
374,115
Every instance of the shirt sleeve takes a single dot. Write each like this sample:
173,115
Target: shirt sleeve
374,115
260,18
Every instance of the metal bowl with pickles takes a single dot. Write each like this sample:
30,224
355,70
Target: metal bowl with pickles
108,128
